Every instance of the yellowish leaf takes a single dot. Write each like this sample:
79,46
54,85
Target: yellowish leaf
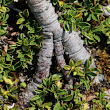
5,107
86,106
61,3
74,73
48,108
59,84
6,92
108,105
9,81
79,15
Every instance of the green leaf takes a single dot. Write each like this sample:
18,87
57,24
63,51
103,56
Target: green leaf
67,98
25,48
97,29
26,12
67,67
108,105
108,9
84,25
61,21
31,31
90,5
86,13
80,73
86,84
61,92
32,43
54,77
2,32
91,74
105,30
21,26
20,20
17,65
70,106
95,17
44,81
91,41
13,97
14,89
53,88
6,18
9,1
78,63
10,50
22,36
57,106
87,35
0,1
8,58
77,69
20,55
89,17
74,73
97,38
71,63
3,9
98,12
31,39
31,108
95,69
74,26
94,107
23,84
55,95
48,104
107,21
23,59
35,97
5,107
80,95
89,61
66,26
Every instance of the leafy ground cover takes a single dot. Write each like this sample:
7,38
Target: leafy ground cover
20,41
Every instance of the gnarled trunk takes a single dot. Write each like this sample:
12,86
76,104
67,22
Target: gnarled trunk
44,13
47,18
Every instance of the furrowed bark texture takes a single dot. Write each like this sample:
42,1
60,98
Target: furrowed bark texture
44,63
47,18
45,55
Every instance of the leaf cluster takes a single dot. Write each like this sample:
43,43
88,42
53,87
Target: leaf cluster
79,15
84,73
50,92
17,54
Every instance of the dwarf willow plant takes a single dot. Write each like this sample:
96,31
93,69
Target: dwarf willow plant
30,41
101,102
50,92
4,16
51,95
18,55
14,108
84,74
6,60
79,14
104,28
